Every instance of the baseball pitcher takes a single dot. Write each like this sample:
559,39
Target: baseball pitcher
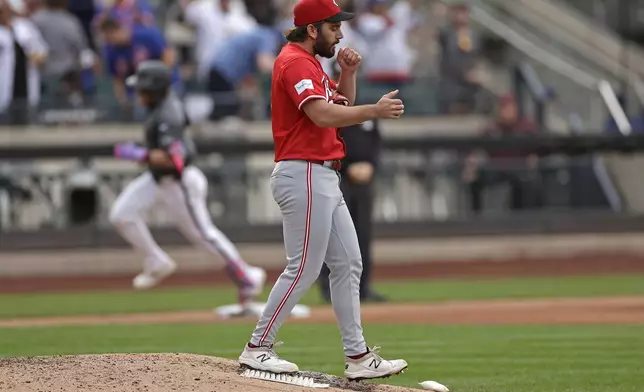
307,110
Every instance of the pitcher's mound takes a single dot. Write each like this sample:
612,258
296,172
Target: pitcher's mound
148,372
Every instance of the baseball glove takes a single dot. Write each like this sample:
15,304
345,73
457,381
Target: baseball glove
339,99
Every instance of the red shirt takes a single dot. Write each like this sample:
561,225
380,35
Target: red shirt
298,77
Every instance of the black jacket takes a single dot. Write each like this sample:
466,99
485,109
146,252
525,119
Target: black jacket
362,142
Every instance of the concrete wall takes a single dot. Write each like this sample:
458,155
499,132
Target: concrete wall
386,252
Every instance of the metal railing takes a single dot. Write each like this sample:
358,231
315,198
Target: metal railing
545,144
417,188
615,109
421,188
419,180
575,86
528,85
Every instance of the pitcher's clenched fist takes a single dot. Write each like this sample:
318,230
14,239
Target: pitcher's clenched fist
349,60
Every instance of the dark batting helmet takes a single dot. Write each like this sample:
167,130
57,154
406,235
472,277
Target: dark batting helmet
151,75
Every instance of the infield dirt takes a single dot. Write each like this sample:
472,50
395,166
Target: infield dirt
612,310
149,372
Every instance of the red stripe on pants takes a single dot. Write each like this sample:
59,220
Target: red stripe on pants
305,247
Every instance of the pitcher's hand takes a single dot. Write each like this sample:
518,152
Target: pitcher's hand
349,60
388,107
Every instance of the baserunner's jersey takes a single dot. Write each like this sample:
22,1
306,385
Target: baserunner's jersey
166,125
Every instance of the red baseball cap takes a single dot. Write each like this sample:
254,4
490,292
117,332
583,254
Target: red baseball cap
307,12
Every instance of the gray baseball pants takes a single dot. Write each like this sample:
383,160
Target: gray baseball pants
317,229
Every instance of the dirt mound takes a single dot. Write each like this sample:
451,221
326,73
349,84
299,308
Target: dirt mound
149,372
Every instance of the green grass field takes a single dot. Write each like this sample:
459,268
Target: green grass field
466,358
111,302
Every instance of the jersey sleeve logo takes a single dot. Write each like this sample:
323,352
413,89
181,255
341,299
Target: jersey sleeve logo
303,85
327,90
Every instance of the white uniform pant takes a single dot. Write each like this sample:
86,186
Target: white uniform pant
186,201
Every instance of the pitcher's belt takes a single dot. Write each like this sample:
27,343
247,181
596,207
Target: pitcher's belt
334,164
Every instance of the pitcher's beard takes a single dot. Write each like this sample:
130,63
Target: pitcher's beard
324,50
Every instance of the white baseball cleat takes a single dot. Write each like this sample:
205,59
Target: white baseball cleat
257,277
152,277
264,358
373,366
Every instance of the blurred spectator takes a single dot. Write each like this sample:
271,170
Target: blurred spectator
25,8
22,52
128,13
515,168
22,8
284,18
384,27
264,12
69,52
129,47
460,79
241,57
17,6
215,22
85,11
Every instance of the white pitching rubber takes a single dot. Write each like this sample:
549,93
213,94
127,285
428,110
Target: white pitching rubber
433,386
283,378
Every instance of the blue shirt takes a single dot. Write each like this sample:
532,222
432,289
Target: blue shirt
128,14
147,43
237,59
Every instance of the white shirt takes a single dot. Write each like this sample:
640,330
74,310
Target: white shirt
388,53
29,38
214,27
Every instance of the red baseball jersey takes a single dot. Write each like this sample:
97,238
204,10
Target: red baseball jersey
298,77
